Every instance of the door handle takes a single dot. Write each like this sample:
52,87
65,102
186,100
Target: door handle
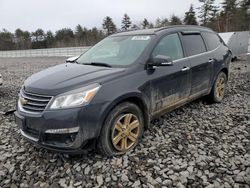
210,60
185,69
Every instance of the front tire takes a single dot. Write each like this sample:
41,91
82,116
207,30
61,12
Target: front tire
219,88
122,130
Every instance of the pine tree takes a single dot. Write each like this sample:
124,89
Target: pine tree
158,23
38,39
50,39
190,17
206,11
244,14
151,25
229,5
80,35
229,13
6,40
23,39
38,35
135,27
214,13
145,24
175,20
161,22
109,25
165,22
64,37
79,31
94,36
126,23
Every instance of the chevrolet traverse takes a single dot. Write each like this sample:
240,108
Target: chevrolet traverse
108,95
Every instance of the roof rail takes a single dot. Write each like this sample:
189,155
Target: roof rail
174,26
125,31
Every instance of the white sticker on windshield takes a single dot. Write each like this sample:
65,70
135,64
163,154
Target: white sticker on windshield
140,38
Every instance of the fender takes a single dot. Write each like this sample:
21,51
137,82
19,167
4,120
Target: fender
135,97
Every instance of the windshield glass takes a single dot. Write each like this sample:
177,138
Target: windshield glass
116,51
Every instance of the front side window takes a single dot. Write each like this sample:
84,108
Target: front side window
194,44
170,46
116,50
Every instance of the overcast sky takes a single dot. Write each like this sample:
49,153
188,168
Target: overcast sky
56,14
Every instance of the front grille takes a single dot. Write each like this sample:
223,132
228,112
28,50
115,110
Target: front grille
33,102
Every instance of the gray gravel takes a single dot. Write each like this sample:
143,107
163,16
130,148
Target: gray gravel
198,145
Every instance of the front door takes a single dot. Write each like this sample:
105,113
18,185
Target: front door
170,85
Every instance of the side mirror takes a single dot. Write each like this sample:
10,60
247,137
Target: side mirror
160,60
72,59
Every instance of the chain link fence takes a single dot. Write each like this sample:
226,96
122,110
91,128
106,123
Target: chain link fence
48,52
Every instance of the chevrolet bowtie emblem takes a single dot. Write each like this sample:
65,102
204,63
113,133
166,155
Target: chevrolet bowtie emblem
23,101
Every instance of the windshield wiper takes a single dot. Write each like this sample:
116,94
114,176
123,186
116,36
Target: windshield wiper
98,64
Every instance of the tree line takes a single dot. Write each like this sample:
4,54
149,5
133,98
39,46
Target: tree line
66,37
233,15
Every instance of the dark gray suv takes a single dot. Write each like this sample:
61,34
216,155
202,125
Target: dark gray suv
108,96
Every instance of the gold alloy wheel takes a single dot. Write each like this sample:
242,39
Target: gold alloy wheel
125,132
220,87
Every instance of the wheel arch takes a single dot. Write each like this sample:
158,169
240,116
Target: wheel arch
136,98
225,70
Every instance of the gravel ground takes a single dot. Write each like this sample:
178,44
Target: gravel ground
198,145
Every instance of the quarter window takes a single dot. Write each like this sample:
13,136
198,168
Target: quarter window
212,40
170,46
194,44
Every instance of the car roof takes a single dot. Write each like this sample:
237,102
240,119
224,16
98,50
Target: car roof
156,31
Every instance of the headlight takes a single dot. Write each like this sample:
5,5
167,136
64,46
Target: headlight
75,98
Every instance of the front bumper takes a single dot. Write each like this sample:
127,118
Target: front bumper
33,128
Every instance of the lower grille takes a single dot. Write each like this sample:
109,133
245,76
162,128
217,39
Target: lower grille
33,102
34,133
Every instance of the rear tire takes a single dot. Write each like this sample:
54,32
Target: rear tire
122,130
219,88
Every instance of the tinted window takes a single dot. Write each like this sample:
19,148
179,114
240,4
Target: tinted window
212,40
194,44
170,46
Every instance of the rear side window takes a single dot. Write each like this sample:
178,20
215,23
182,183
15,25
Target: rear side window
170,46
212,40
194,44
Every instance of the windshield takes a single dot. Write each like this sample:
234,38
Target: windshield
116,51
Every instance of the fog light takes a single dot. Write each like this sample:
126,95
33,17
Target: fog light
63,131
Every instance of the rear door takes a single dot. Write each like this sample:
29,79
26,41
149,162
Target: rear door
170,84
216,49
201,62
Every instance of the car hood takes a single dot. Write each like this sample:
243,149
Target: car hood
64,77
